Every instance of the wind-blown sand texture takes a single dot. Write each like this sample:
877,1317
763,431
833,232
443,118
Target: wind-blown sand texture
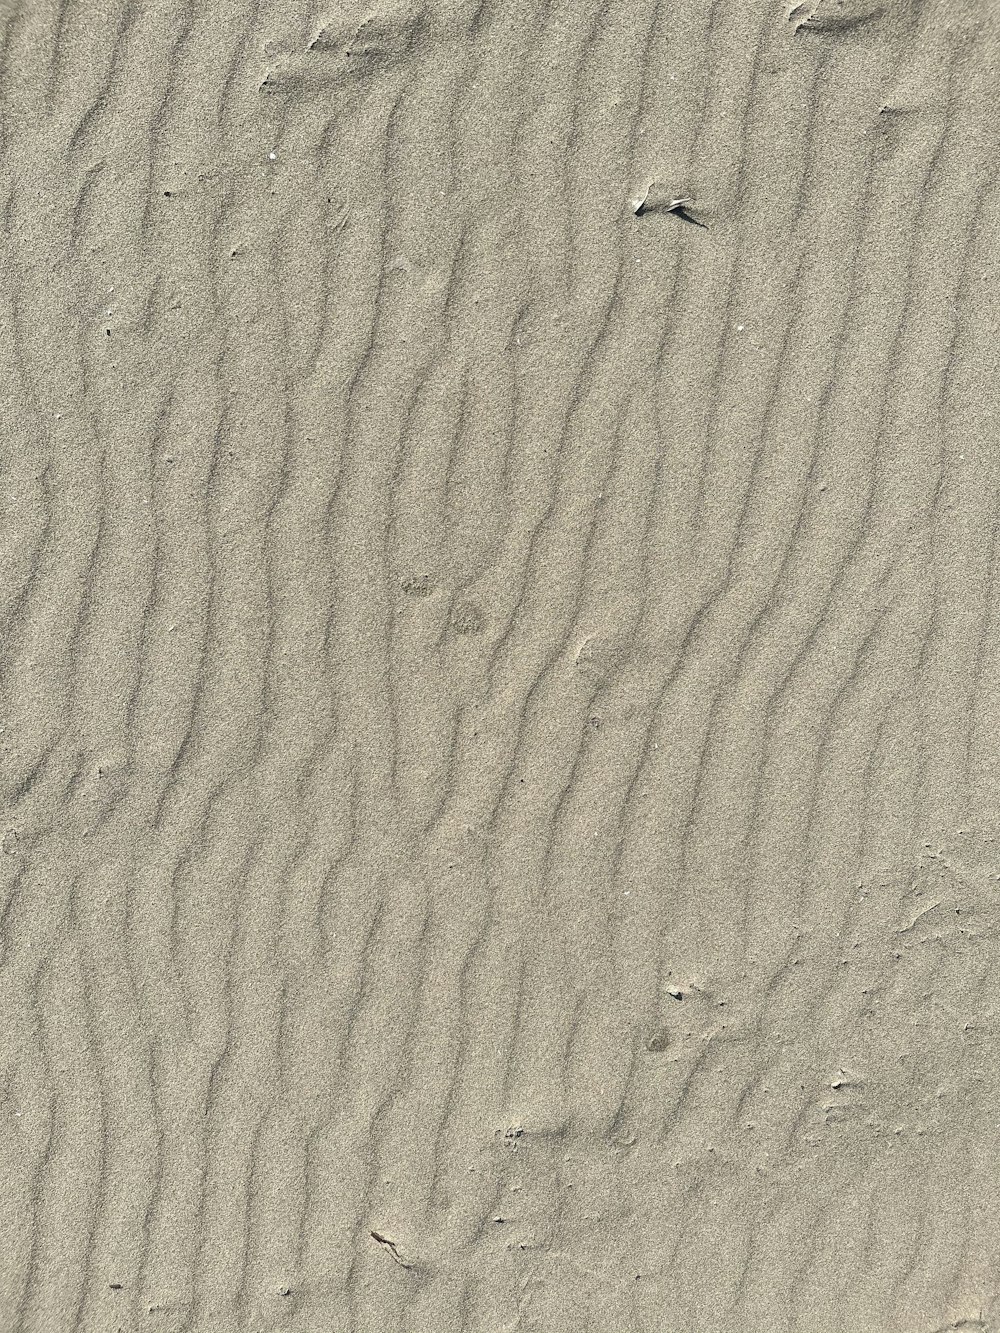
500,667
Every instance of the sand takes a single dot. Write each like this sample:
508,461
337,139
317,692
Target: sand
500,667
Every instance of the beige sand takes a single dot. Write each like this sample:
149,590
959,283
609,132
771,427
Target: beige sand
500,670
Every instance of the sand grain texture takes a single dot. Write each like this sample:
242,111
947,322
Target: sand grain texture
500,667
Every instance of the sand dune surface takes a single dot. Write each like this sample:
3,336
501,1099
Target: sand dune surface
500,666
